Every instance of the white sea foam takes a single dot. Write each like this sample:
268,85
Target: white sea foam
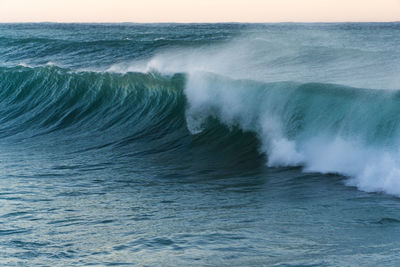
369,166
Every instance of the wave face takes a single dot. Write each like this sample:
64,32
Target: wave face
42,100
243,93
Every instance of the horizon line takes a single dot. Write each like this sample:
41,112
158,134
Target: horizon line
205,22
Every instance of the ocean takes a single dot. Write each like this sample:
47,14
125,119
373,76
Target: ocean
200,144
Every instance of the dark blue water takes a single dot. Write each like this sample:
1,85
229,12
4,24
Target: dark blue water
199,144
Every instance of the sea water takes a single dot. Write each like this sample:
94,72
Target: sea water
200,144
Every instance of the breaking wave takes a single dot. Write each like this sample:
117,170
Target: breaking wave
322,127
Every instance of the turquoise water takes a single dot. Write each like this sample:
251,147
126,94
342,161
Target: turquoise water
199,144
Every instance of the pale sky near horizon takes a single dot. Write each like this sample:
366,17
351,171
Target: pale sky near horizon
198,10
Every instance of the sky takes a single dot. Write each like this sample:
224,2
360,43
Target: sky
198,10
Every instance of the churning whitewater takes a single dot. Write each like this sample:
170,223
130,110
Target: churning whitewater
188,142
